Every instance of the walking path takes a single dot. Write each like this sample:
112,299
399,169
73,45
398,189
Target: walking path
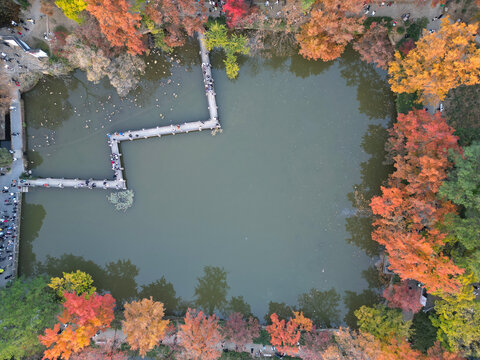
115,139
11,197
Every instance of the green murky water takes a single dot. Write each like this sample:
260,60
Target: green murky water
271,199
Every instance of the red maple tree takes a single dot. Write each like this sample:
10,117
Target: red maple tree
409,211
82,318
403,296
118,24
235,10
240,331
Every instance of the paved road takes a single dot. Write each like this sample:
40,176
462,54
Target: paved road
12,197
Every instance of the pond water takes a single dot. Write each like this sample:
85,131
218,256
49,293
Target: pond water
271,199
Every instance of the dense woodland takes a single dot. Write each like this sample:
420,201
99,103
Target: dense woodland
425,216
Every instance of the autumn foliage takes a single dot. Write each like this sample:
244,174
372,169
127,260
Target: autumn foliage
199,337
408,211
118,24
177,17
332,25
235,10
286,335
84,317
240,331
403,296
441,61
143,324
374,46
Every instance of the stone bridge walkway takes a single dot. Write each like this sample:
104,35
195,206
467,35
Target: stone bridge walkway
116,138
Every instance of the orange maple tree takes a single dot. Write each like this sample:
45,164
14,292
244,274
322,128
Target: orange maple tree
143,324
440,61
408,211
199,337
284,335
118,24
83,317
178,17
332,25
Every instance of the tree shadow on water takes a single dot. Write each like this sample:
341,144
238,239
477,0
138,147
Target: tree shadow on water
373,90
373,172
116,277
35,214
163,291
211,290
321,307
48,105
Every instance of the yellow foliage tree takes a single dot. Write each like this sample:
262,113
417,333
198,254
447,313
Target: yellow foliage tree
441,61
458,319
77,282
143,324
72,8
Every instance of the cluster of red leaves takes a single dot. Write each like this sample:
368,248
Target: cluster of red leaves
403,296
58,43
83,317
118,24
236,10
407,46
409,211
240,331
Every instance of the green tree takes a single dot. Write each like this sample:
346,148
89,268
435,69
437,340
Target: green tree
5,158
77,282
72,8
217,37
321,307
458,321
211,290
463,188
383,323
424,333
27,308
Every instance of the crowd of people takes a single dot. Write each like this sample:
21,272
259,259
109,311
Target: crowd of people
208,79
8,231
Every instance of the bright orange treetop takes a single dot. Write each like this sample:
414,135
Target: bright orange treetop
332,25
408,210
286,335
84,317
441,61
199,337
143,324
118,24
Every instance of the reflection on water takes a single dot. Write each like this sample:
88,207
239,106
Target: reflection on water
262,213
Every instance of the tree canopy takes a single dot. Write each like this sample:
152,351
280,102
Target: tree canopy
441,61
27,308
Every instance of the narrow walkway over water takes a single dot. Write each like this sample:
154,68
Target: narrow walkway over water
116,138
